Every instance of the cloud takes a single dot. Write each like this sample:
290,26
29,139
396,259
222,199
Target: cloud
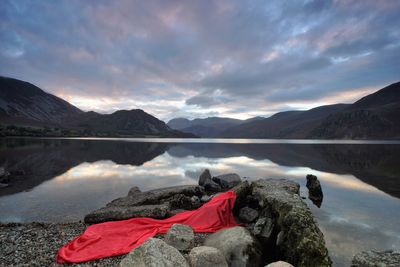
236,58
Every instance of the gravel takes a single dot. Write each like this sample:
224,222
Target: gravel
36,244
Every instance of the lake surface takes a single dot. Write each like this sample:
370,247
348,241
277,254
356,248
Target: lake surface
64,179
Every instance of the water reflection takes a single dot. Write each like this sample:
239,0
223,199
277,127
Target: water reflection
68,178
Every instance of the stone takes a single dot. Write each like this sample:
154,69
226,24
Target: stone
154,253
2,185
300,240
134,191
314,190
248,215
122,213
227,181
212,186
180,236
279,264
376,259
238,246
206,198
263,229
204,176
206,257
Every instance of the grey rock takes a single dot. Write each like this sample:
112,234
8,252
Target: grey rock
238,246
314,190
263,228
204,176
154,253
227,181
206,198
206,257
212,186
123,213
301,241
2,185
180,236
248,215
134,191
376,259
279,264
175,212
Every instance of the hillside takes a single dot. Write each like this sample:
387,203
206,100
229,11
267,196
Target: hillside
25,109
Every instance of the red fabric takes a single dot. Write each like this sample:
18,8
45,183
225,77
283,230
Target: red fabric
120,237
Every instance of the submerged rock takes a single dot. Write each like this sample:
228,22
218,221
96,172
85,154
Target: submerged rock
300,240
314,190
154,253
238,246
376,258
180,236
227,181
206,257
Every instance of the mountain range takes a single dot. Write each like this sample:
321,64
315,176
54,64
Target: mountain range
375,116
25,109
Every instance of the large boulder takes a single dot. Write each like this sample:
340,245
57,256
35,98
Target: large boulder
204,176
122,213
376,259
206,257
299,240
180,236
314,190
211,186
154,253
227,181
238,246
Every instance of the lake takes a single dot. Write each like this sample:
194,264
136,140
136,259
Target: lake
64,179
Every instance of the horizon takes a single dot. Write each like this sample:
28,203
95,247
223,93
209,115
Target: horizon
203,59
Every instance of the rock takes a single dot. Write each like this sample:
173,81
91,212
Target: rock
242,191
376,259
181,201
204,176
206,257
175,212
17,173
212,186
300,240
279,264
134,191
180,236
238,246
314,190
123,213
263,229
2,185
247,214
227,181
206,198
154,253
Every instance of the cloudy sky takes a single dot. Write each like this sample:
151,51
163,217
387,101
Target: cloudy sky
202,58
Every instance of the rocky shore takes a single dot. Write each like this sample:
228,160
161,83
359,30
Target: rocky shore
277,229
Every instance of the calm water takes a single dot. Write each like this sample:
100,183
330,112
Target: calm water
64,179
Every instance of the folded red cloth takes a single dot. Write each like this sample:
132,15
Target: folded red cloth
116,238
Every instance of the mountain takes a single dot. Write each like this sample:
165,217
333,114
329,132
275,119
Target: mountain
208,127
376,116
26,109
22,102
287,124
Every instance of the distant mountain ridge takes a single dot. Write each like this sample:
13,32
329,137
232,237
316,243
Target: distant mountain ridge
24,104
376,116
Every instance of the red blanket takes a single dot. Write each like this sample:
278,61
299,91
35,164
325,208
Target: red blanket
117,238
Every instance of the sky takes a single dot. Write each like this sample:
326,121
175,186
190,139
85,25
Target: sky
202,58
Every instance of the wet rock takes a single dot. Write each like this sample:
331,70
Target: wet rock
238,246
227,181
314,190
204,176
123,213
376,259
154,253
180,236
212,186
206,257
300,240
248,215
279,264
